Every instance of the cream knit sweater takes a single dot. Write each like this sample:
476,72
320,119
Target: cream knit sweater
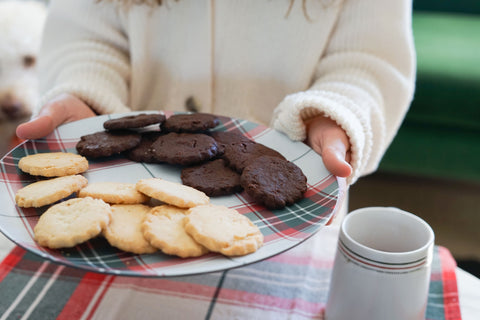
351,60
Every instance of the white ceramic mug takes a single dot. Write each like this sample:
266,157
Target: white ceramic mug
382,266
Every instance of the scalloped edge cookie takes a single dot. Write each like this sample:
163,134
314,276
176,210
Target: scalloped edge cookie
53,164
72,222
223,230
163,228
125,228
172,193
41,193
114,192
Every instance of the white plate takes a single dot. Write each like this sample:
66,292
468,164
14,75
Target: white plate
282,229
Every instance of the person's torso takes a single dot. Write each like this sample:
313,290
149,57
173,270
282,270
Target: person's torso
237,58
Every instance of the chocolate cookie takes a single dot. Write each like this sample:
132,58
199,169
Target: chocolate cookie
225,138
135,121
274,182
107,143
184,148
214,178
240,154
192,122
228,137
143,152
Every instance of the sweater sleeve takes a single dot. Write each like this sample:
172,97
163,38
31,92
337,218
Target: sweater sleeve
364,81
84,53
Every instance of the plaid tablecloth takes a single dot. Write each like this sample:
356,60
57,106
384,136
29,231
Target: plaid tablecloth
291,285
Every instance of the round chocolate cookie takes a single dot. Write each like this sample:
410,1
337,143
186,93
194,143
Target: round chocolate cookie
214,178
225,138
240,154
228,137
184,148
107,143
192,122
143,152
274,182
135,121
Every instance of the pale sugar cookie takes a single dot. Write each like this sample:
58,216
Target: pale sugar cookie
124,230
114,192
45,192
163,228
72,222
54,164
223,230
172,193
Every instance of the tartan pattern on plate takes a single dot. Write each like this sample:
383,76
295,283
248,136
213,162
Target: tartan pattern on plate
282,228
287,286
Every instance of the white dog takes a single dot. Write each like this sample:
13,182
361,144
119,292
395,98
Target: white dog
21,26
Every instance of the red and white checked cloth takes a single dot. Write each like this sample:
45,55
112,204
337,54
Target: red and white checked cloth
291,285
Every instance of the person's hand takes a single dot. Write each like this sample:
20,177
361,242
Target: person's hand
330,141
65,108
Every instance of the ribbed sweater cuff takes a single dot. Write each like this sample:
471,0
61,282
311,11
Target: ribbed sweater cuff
100,102
295,109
